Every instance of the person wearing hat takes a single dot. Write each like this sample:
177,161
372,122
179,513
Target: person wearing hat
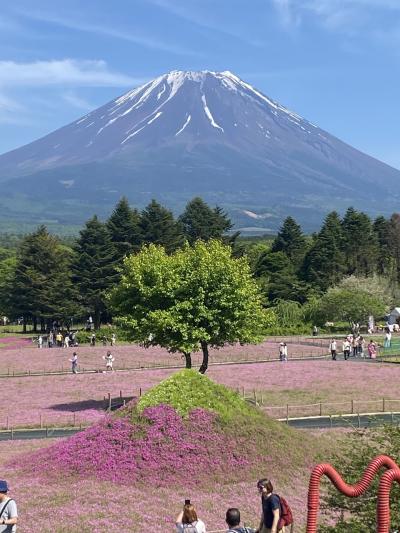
8,510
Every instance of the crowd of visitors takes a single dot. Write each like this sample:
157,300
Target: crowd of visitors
353,346
275,515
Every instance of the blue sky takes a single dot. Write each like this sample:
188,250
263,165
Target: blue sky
335,62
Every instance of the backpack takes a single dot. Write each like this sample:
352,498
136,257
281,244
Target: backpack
286,515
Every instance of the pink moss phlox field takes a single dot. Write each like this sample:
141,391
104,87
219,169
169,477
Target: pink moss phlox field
13,343
161,448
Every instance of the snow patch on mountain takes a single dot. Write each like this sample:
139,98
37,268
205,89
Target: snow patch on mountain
209,115
184,126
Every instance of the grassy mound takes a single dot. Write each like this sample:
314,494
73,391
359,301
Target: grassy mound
186,430
188,389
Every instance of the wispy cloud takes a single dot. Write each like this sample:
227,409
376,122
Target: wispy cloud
133,35
66,72
348,15
77,101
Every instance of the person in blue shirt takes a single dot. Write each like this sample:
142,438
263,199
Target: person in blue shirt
271,508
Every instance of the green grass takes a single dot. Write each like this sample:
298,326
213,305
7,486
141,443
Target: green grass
188,389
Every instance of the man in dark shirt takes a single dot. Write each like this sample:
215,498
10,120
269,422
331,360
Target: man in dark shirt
233,521
271,508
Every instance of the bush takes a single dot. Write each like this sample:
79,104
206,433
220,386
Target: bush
188,389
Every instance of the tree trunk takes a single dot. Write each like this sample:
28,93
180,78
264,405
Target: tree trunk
188,359
24,324
34,320
204,364
42,325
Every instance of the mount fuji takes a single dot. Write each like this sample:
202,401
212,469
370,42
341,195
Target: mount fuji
188,134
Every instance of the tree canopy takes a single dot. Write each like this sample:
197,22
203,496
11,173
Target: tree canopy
195,298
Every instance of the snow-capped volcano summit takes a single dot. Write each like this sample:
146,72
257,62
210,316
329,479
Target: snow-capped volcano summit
207,133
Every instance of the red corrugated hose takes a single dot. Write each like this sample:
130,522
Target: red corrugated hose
352,491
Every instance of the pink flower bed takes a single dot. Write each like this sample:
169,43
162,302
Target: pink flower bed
13,343
55,399
27,357
165,448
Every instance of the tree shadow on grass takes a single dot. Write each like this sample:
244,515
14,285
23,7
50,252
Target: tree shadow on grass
97,405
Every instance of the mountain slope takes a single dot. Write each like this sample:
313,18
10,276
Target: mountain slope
189,133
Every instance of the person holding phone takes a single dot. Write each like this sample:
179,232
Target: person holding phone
187,521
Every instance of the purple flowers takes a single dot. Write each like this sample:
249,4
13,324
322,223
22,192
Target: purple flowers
155,448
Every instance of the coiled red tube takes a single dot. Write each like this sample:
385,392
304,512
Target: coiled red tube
348,490
383,506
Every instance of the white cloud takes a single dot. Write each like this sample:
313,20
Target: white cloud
65,72
132,35
348,15
77,101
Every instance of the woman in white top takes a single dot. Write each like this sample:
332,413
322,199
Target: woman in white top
187,521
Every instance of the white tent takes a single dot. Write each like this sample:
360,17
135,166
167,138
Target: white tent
394,316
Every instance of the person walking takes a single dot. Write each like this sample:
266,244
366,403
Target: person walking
354,344
346,349
361,346
109,359
372,349
74,363
40,342
187,521
333,349
283,351
66,341
8,510
93,340
50,340
233,521
59,339
271,507
113,339
388,338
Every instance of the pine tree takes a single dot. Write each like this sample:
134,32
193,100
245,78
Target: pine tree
95,268
291,241
360,243
324,264
124,228
158,226
41,287
394,241
199,221
385,261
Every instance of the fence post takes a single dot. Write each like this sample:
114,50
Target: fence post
140,392
287,410
8,424
330,420
12,433
41,422
352,406
109,401
383,405
74,419
320,408
120,394
359,420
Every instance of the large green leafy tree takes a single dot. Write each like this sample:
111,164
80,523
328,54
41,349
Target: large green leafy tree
360,243
291,241
195,298
124,228
158,226
95,268
7,272
41,288
354,299
324,264
200,221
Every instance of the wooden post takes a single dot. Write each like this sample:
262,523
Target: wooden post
41,422
120,394
109,401
140,392
320,409
287,410
12,433
352,406
383,405
8,424
74,419
255,395
243,392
